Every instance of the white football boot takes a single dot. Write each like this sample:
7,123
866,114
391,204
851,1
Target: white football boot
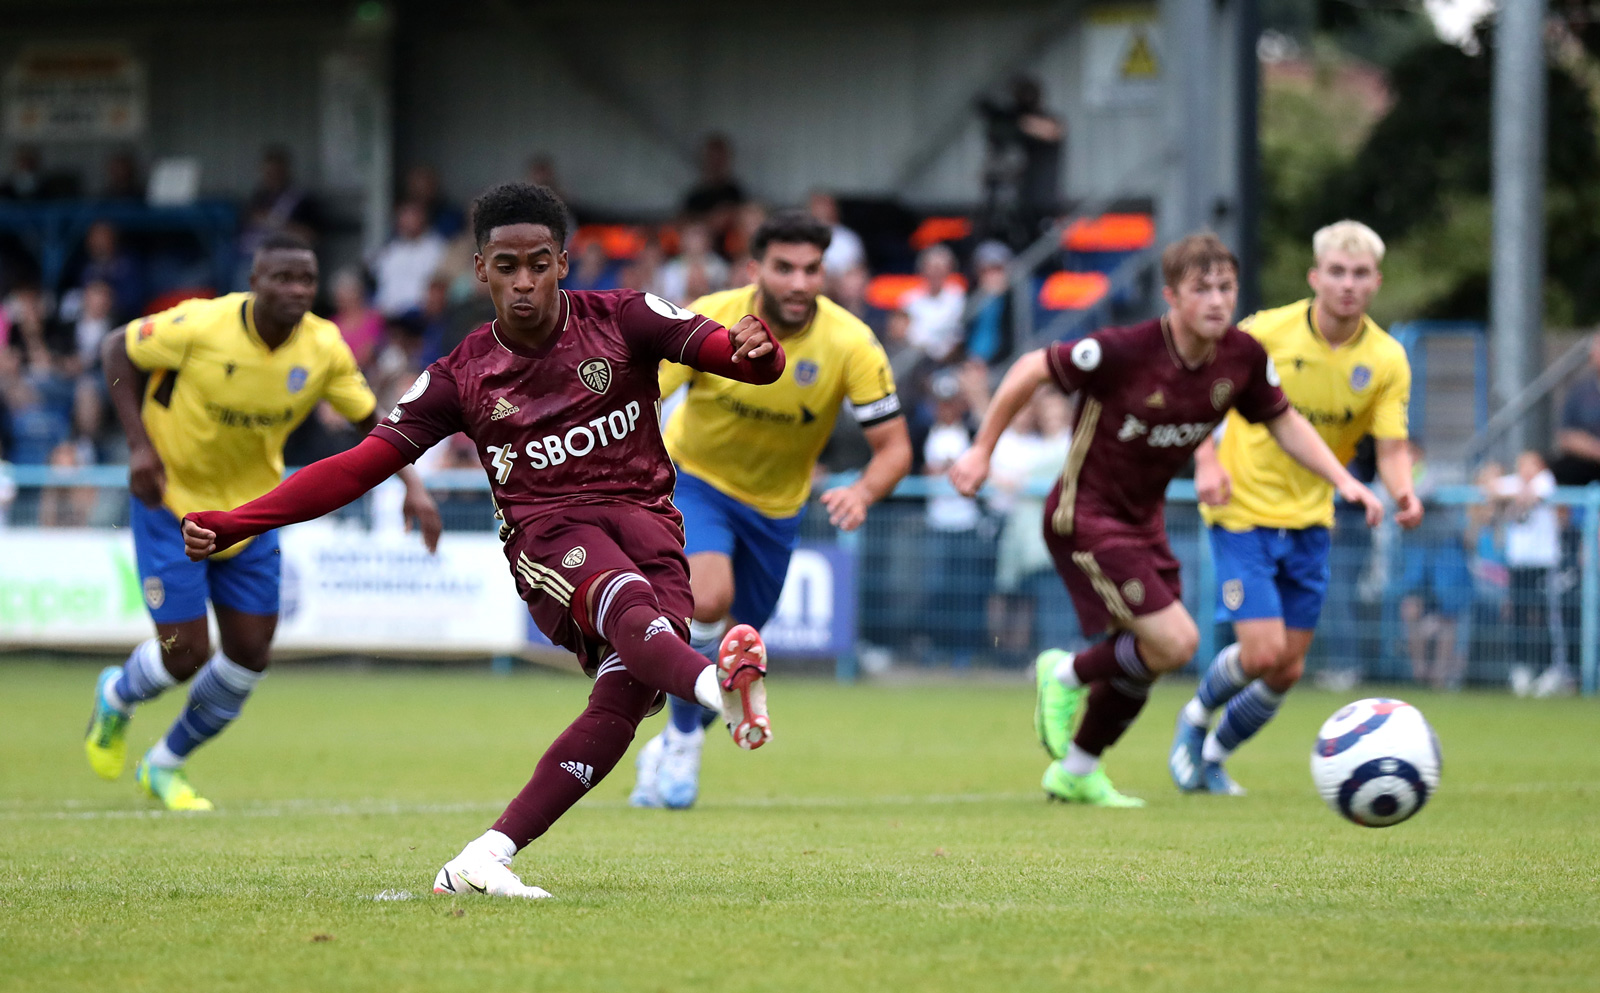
478,871
678,779
647,765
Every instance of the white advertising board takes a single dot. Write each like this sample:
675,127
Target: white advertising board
343,590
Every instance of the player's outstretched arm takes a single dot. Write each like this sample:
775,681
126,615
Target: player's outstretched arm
319,488
891,460
747,352
1025,376
1295,435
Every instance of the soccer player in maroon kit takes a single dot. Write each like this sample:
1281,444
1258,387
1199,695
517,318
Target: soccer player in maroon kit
558,394
1148,395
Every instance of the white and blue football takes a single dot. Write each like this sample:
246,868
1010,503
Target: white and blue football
1376,761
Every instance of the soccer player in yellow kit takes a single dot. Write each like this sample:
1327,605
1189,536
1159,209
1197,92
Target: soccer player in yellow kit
1269,518
745,455
208,392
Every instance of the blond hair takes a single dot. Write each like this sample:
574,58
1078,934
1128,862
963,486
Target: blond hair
1347,236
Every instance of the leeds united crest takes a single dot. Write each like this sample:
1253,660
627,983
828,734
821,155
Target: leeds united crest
1221,393
596,374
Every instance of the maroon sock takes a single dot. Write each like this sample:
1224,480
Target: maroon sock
577,760
1117,657
650,647
1113,704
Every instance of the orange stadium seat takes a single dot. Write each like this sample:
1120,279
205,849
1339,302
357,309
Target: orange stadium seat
1073,290
888,291
620,241
171,298
934,230
1110,233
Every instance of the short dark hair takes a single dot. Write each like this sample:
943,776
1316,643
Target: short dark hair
1199,252
518,203
283,241
790,227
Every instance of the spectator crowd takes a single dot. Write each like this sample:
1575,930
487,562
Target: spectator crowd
1491,579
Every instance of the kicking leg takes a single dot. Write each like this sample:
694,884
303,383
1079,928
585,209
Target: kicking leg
669,765
573,764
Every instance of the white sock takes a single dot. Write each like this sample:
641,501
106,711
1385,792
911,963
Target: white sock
114,701
1067,676
163,757
1196,713
1079,762
705,636
708,689
496,843
1212,750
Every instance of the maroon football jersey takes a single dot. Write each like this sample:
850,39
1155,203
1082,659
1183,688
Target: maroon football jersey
571,422
1141,413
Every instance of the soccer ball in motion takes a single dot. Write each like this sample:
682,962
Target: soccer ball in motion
1376,761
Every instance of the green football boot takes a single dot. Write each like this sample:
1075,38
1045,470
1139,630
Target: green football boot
1095,789
1054,705
106,741
170,786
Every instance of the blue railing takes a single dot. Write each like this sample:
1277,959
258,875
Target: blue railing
1583,502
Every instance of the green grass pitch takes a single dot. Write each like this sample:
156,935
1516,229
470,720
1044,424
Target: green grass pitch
891,838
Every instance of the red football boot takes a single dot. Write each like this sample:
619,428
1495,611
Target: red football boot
742,666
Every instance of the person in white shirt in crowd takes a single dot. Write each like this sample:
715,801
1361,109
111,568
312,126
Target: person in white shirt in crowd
1533,556
697,271
402,267
95,320
1024,615
935,308
960,544
845,251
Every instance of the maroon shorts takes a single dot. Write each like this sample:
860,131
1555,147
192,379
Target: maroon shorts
552,557
1112,580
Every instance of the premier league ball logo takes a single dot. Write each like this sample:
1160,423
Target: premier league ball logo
595,374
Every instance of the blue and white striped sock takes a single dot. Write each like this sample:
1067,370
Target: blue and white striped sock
144,677
216,696
1247,713
1222,681
687,715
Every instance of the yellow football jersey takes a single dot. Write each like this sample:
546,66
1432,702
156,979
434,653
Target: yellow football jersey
759,444
1360,388
220,404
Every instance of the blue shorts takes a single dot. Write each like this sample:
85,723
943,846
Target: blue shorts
759,546
1271,572
175,589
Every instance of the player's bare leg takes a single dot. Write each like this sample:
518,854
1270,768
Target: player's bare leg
1247,681
1118,673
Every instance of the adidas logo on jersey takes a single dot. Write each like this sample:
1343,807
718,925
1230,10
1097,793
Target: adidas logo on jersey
1156,399
503,408
658,626
581,770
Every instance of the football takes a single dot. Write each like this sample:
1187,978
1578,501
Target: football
1376,761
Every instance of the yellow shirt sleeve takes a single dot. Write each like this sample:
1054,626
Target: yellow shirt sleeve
161,341
869,378
1389,415
673,375
347,388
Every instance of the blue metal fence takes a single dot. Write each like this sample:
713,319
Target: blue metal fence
1440,603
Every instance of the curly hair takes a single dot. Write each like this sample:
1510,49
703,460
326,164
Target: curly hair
518,203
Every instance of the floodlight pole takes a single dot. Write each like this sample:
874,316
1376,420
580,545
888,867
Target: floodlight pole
1516,282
